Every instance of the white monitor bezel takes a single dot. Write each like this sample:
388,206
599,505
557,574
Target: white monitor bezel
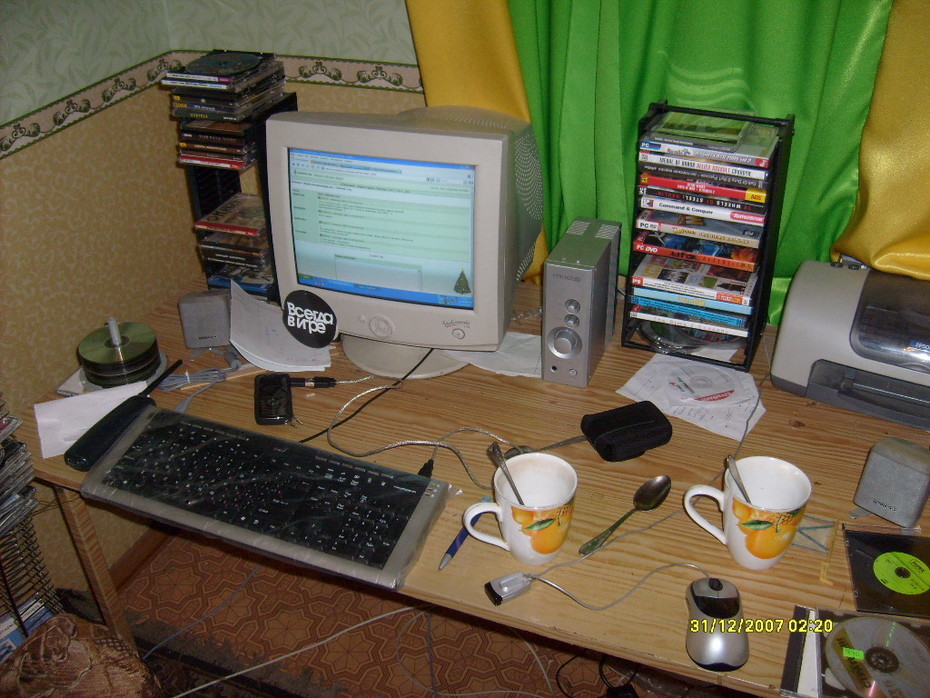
495,255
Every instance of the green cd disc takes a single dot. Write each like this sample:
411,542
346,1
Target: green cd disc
902,573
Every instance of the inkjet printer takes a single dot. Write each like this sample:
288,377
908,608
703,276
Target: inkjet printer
859,339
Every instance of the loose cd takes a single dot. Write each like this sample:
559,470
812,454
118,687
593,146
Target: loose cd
877,656
117,354
705,384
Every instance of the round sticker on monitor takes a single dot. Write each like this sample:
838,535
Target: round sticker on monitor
309,319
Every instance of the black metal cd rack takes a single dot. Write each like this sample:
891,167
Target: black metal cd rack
709,193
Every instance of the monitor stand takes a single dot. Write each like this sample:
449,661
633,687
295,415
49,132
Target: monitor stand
395,360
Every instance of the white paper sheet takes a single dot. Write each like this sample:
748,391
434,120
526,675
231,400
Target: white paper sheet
62,422
257,331
519,355
721,400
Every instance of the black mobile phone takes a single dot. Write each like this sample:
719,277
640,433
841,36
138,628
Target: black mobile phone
273,404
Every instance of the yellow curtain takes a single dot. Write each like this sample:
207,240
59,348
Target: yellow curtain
467,56
890,226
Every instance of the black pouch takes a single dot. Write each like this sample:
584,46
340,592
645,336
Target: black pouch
626,432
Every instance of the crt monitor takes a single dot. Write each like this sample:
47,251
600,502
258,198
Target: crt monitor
414,227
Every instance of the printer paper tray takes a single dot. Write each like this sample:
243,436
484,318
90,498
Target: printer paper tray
870,393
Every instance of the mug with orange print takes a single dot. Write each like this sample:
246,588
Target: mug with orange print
757,534
534,531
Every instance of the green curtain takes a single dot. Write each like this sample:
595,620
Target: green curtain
592,67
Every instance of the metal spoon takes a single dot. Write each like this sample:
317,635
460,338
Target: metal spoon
517,450
734,471
498,457
649,495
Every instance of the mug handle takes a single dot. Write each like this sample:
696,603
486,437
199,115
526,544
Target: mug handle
713,493
473,513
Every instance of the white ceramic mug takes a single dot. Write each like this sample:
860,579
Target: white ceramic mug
756,534
535,531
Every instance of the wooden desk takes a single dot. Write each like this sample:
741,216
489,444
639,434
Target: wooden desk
829,443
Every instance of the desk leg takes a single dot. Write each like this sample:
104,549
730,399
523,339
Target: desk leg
94,563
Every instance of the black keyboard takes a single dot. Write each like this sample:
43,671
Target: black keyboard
273,495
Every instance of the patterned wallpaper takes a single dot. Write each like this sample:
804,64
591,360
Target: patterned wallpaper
52,50
57,116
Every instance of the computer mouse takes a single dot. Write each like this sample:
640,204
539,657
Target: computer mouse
716,639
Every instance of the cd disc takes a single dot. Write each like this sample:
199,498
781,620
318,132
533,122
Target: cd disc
117,354
705,384
667,338
878,656
224,64
901,572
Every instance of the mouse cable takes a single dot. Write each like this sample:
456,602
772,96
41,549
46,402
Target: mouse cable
396,384
441,442
623,598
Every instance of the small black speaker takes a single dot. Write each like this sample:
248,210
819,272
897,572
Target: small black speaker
895,482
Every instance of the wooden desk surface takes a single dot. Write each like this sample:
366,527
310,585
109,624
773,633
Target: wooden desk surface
829,443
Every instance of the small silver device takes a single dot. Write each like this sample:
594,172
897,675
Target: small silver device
895,482
579,300
205,318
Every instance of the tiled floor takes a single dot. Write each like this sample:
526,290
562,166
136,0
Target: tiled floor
346,640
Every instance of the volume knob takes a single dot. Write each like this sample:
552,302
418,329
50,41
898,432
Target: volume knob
564,342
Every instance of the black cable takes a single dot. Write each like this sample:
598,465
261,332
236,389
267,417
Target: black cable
369,400
621,689
558,675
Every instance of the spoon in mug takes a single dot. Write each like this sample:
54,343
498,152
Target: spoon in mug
649,495
734,471
498,457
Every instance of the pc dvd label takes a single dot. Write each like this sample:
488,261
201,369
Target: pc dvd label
901,572
309,319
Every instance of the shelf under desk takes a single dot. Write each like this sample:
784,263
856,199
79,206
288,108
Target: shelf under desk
829,443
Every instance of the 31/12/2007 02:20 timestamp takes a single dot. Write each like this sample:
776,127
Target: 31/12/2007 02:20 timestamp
760,625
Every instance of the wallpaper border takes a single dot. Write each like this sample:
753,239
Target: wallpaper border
71,109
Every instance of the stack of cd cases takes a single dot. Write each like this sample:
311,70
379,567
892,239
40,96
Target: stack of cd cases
27,598
221,101
214,97
708,199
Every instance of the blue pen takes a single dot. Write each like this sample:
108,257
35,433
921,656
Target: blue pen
459,539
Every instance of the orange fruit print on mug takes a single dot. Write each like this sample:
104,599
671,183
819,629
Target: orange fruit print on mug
768,533
547,529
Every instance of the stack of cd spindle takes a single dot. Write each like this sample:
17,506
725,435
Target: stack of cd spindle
119,353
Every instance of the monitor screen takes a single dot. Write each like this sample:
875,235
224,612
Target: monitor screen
384,228
414,228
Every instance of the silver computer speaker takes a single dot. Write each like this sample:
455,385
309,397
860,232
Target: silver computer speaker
205,318
579,300
895,482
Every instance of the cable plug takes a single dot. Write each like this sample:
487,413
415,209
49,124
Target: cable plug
507,587
314,382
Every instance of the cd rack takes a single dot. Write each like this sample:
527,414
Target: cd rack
709,192
221,101
27,598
